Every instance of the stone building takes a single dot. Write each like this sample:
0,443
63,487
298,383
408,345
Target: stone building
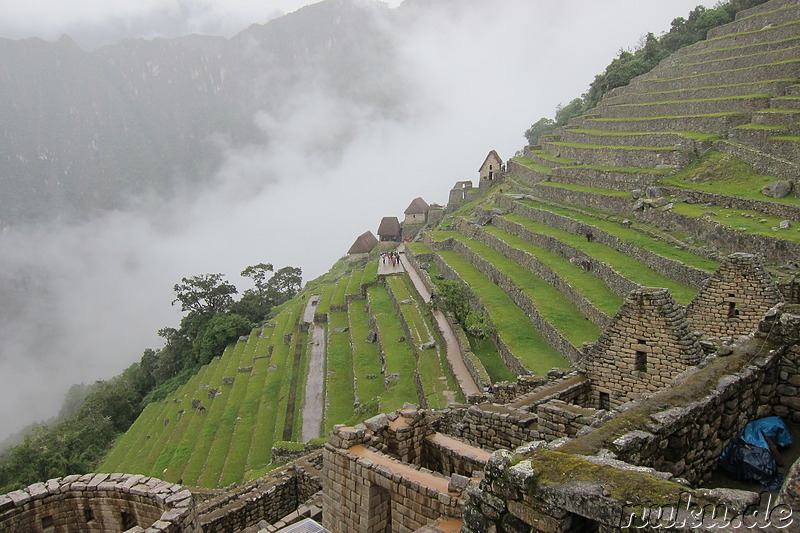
363,245
389,229
646,345
416,212
490,170
734,299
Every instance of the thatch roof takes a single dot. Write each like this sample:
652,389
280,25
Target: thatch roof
390,226
492,156
364,244
418,206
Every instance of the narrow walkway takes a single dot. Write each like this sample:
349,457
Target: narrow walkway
385,265
314,403
454,355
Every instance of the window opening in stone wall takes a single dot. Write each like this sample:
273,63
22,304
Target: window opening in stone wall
128,520
732,311
641,357
88,515
379,510
605,401
47,521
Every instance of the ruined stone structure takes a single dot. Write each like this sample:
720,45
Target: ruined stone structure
461,193
734,299
99,503
646,345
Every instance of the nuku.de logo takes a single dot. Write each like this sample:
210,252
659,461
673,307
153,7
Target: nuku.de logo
685,514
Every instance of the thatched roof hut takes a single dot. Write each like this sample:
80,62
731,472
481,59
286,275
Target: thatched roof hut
364,244
389,230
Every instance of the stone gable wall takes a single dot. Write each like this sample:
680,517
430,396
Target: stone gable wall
646,345
735,298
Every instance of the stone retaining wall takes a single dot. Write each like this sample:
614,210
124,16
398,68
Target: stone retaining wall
724,237
489,426
526,174
622,156
698,123
530,262
770,208
607,179
559,419
99,503
267,499
761,162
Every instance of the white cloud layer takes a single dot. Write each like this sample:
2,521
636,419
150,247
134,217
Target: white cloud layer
96,293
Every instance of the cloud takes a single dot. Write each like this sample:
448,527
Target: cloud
81,302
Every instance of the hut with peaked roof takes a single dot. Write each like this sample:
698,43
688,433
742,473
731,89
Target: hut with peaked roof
416,212
363,244
390,229
491,169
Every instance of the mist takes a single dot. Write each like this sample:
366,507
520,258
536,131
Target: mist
87,298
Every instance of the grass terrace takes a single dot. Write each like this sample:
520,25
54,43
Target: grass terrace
721,173
592,288
553,306
630,234
398,355
583,188
532,165
339,386
626,265
513,326
366,359
746,221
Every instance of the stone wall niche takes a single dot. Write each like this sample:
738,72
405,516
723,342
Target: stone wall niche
646,345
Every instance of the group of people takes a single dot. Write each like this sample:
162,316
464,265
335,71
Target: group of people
394,257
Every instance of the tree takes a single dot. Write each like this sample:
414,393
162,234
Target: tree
543,126
284,284
258,273
220,331
205,294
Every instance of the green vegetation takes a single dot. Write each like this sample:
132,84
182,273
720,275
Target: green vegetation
532,165
627,234
366,360
725,174
746,221
340,393
626,265
488,355
591,190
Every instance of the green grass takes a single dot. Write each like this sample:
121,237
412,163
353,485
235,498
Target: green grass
419,248
626,265
354,284
370,273
339,383
552,305
750,221
697,136
488,355
399,356
513,326
591,190
614,146
627,170
725,174
544,154
785,62
754,126
589,286
339,291
532,165
670,117
627,234
366,359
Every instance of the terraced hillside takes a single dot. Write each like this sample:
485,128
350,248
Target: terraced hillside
652,188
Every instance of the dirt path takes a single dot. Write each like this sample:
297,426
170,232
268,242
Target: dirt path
454,356
314,403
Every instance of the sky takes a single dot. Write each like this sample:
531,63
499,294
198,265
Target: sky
100,289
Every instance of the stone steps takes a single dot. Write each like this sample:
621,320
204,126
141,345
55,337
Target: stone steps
624,156
772,87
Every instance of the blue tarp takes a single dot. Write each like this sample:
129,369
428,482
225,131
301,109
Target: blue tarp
772,426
